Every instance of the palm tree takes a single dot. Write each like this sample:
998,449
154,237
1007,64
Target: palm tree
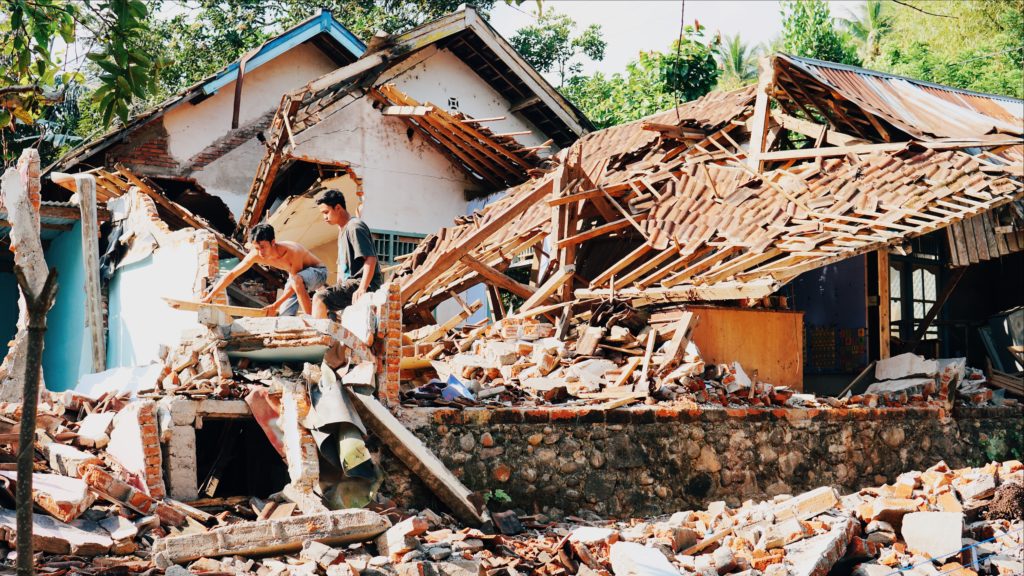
737,61
867,27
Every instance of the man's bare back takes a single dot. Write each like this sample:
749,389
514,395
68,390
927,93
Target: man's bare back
291,257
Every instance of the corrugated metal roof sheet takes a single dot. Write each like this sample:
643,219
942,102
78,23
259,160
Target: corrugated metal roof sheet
921,109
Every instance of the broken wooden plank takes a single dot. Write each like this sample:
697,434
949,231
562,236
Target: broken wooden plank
549,287
496,278
418,458
234,311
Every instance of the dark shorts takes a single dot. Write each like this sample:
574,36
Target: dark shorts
339,296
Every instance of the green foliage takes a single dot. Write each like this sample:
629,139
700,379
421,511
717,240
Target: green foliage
203,41
738,63
551,44
867,28
974,45
653,82
35,80
808,30
498,495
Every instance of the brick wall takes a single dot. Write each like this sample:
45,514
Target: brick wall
389,339
229,142
144,150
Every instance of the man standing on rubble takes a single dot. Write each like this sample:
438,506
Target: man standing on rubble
305,271
358,270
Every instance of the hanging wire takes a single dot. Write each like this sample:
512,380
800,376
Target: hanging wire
679,45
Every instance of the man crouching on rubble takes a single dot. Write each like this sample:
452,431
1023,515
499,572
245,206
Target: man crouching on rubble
358,272
305,271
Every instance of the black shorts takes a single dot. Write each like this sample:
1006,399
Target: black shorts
339,296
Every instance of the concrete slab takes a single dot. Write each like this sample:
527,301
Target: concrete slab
933,534
63,497
56,537
632,559
93,429
285,535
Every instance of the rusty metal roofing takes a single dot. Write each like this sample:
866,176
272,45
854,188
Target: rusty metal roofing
919,108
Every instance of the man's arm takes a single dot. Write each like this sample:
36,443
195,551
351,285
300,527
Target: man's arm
230,277
369,267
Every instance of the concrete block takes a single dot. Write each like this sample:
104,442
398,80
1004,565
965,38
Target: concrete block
632,559
93,429
320,553
180,463
808,504
70,461
933,534
182,410
401,538
284,535
63,497
56,537
816,556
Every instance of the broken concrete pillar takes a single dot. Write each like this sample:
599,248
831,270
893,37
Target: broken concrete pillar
933,534
271,536
56,537
62,497
19,191
93,429
300,449
110,488
135,446
180,463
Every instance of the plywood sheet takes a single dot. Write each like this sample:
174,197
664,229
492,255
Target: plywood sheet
768,341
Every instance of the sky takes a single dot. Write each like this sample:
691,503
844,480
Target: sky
642,25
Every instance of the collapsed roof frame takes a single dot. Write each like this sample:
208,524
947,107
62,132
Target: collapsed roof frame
696,214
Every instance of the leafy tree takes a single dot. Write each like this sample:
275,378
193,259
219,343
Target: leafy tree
738,63
551,44
974,45
655,81
867,28
808,30
35,74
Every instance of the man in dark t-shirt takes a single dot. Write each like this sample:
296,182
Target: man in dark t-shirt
358,267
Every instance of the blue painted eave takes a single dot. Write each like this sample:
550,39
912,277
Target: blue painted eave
323,23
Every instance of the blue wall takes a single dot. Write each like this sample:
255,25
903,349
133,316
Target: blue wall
66,350
8,310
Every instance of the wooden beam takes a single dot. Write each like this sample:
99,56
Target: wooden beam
813,130
452,322
759,131
421,277
524,104
807,153
730,290
597,231
496,278
406,111
933,312
884,335
548,288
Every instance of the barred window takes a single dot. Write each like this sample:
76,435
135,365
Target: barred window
392,245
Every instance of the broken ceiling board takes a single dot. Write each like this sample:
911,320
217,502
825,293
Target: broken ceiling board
415,455
283,535
309,353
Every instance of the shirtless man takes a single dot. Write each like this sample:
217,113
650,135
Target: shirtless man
305,271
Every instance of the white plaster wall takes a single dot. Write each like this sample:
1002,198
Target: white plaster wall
230,176
190,128
139,319
408,185
435,75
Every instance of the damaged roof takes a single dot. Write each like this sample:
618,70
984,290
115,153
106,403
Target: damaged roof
668,209
321,29
920,109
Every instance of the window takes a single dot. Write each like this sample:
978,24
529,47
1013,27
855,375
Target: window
912,293
392,245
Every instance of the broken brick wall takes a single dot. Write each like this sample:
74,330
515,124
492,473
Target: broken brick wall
654,460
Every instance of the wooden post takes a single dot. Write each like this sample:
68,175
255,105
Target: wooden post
883,304
759,131
86,185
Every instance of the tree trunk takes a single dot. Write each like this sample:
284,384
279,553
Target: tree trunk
38,306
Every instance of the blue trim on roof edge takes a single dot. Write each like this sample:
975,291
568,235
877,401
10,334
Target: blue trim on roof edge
323,23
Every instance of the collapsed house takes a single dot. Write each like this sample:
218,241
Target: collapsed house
653,301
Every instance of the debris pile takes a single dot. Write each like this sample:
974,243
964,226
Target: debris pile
612,354
932,522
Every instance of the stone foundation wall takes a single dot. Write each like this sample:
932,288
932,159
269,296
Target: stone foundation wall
645,461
